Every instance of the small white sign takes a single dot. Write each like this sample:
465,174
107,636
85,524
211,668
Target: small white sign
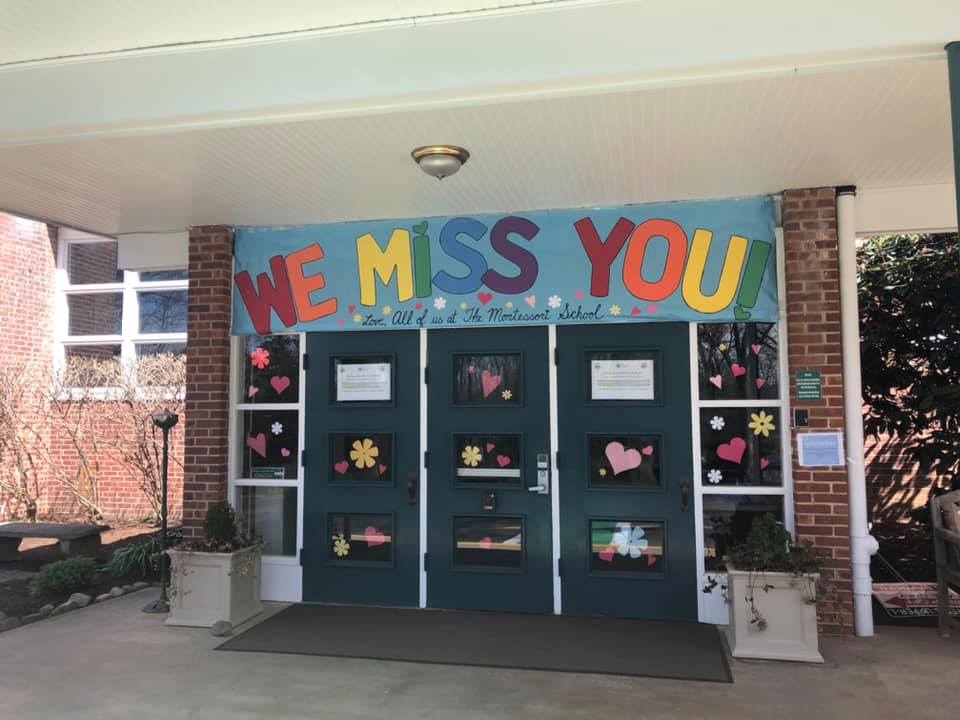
358,382
621,380
820,449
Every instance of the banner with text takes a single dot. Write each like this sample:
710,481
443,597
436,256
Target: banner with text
707,261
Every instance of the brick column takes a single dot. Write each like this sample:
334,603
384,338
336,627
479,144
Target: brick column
207,410
813,334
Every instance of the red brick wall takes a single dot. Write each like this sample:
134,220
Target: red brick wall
813,326
208,373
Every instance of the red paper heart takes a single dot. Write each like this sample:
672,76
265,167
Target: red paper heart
381,469
732,451
419,306
351,309
578,295
373,536
737,369
651,559
717,380
503,460
486,543
341,322
490,382
760,383
652,309
636,310
764,463
606,554
285,452
280,383
622,459
258,443
756,349
341,467
490,447
484,297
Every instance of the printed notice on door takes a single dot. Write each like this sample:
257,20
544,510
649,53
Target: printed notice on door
621,380
363,382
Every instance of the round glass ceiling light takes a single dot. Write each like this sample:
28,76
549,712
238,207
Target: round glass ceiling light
440,161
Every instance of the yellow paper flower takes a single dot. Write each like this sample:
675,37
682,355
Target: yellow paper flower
614,310
603,472
387,310
364,454
471,455
761,424
463,306
341,547
506,394
358,318
509,305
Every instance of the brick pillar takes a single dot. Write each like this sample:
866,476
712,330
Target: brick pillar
207,410
813,327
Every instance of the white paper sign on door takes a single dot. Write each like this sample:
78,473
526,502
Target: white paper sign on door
621,380
358,382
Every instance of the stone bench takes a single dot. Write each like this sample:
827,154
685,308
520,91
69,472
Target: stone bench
75,538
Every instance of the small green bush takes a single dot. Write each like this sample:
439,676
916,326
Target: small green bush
220,525
71,574
137,557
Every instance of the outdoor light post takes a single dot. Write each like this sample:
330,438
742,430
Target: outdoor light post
165,421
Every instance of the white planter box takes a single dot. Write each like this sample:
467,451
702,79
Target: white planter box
786,605
206,587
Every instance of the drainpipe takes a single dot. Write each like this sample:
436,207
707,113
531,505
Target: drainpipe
953,67
862,544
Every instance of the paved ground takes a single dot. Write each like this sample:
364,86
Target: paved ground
111,661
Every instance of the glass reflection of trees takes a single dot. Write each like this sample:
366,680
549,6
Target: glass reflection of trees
721,346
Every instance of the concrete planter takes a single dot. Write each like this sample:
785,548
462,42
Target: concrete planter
787,603
206,587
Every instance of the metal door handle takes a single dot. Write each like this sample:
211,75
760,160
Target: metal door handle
542,489
684,494
412,488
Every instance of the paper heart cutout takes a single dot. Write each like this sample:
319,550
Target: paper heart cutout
760,383
471,369
651,559
622,459
737,369
280,383
419,306
606,554
486,543
489,382
252,390
341,467
484,297
258,443
373,536
717,380
764,463
647,450
503,460
381,469
285,452
421,228
531,300
636,310
341,322
740,314
490,447
732,451
351,309
578,295
756,348
652,309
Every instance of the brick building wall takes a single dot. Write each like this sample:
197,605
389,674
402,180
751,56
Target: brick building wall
813,327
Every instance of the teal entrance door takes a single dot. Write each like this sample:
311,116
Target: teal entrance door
626,500
489,531
361,539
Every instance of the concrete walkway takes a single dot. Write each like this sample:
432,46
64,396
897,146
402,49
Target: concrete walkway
112,661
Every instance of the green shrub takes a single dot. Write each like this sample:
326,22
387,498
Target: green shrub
138,557
220,525
64,575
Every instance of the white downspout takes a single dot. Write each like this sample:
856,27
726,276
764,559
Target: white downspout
862,544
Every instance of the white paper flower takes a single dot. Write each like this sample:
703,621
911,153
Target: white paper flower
439,303
629,541
717,422
715,476
276,428
614,310
554,301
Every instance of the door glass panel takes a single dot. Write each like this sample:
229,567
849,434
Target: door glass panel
624,461
740,446
488,379
361,457
727,520
360,538
270,449
486,459
626,546
270,514
271,370
738,361
488,542
630,375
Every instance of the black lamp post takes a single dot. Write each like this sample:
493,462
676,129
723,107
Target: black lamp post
165,421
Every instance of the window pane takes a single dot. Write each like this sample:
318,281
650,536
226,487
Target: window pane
91,365
271,369
624,461
152,349
95,314
740,446
270,513
487,459
162,365
626,546
163,312
270,449
358,537
154,275
488,542
361,457
738,361
488,379
89,263
727,520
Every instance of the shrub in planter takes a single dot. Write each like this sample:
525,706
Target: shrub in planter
65,575
773,594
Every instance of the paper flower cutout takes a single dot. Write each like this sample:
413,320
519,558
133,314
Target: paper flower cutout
439,303
761,424
463,306
554,301
630,541
341,547
715,476
358,318
364,453
614,310
276,428
717,422
508,305
603,472
722,347
260,358
506,394
471,455
387,310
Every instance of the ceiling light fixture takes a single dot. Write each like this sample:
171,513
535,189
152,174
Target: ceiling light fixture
440,161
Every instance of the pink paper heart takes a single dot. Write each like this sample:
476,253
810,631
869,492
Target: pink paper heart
760,383
285,452
484,297
717,380
280,383
486,543
647,450
732,451
503,460
341,322
341,467
373,536
621,459
531,300
737,369
490,447
471,369
756,348
578,295
252,390
490,382
381,469
606,554
636,311
764,463
651,560
258,443
351,309
652,309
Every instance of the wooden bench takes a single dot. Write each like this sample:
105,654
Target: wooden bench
75,538
945,513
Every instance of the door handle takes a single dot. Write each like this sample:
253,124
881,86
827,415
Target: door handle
412,488
543,475
684,485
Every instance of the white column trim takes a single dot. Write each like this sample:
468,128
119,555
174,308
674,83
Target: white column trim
554,470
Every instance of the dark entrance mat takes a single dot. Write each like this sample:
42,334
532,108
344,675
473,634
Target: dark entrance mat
609,646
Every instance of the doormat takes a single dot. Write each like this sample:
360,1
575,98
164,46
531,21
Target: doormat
599,645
